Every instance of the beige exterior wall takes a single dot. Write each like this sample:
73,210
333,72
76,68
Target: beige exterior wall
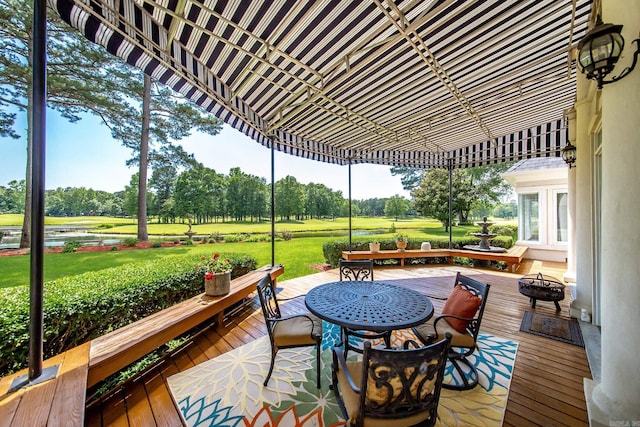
616,399
546,183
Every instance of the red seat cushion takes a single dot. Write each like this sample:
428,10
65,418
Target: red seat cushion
461,303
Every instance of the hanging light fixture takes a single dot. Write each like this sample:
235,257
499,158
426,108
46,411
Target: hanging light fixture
599,51
569,154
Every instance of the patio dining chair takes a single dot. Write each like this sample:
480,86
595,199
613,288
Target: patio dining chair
390,387
461,317
300,330
359,270
356,269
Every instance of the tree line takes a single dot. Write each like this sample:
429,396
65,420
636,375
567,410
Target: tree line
149,118
205,196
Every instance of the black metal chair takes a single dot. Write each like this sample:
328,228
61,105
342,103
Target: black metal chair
356,269
390,387
359,270
300,330
461,317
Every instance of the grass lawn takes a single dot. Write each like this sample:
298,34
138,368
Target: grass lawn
129,225
298,255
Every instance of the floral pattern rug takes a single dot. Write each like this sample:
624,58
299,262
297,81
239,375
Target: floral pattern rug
228,390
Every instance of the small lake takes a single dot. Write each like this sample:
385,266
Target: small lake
57,236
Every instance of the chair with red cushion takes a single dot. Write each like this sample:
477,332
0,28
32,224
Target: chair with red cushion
461,317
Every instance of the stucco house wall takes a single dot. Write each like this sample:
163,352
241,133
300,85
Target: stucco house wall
543,182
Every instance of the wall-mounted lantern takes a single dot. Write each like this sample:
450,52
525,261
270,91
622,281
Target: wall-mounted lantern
599,51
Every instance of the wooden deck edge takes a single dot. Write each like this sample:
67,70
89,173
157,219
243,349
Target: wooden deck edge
116,350
59,401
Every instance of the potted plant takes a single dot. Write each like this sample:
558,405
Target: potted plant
374,246
217,275
401,241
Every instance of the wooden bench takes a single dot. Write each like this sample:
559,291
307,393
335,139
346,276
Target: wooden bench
116,350
61,401
513,257
395,254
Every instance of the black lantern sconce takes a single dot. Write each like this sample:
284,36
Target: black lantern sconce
569,154
599,51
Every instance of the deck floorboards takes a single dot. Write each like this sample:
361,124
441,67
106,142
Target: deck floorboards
546,388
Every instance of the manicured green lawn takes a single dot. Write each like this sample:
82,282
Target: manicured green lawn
298,255
80,221
129,226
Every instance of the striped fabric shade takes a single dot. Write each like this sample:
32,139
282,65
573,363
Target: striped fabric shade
417,83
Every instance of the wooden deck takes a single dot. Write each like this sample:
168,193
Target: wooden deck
547,384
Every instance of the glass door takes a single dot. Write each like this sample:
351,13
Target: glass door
597,224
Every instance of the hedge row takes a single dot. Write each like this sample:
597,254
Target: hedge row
333,250
80,308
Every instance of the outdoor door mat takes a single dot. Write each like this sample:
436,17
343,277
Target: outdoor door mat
556,328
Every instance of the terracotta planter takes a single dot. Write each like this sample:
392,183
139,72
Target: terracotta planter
401,245
374,247
220,284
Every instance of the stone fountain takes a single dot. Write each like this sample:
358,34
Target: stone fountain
484,239
190,233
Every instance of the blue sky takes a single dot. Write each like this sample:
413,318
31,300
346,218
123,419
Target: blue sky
83,154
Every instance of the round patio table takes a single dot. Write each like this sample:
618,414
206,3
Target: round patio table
369,305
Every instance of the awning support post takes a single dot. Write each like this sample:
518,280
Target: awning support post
38,111
273,205
350,247
450,167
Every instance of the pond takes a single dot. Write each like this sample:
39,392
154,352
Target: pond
57,236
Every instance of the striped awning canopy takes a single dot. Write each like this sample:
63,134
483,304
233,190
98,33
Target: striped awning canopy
413,83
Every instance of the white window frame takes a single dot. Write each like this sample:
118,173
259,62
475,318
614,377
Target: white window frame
554,225
521,218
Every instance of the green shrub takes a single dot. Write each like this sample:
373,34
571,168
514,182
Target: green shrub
286,235
234,238
130,241
332,250
114,248
156,244
258,238
71,246
504,230
217,237
80,308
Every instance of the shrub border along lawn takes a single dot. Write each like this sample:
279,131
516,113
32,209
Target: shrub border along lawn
79,308
333,250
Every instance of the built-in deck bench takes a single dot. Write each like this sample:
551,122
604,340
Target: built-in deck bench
115,350
513,257
61,401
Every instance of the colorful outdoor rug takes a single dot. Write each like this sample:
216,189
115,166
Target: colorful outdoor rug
554,327
228,391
